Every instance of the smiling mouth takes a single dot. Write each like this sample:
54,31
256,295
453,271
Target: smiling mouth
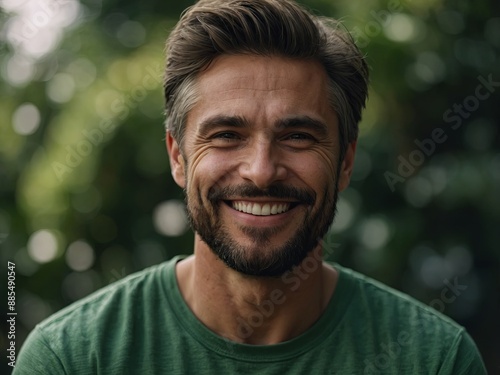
261,209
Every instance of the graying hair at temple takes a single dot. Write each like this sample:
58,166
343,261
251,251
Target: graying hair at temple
212,28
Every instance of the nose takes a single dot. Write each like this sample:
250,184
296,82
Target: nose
262,165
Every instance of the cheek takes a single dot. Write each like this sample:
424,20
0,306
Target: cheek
209,171
316,168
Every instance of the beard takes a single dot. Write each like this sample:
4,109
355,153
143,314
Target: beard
253,260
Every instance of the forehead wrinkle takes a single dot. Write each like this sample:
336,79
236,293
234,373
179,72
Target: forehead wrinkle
267,80
224,81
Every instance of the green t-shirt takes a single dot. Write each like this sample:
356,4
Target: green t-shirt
141,325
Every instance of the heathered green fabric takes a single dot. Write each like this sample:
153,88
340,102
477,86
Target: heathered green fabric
141,325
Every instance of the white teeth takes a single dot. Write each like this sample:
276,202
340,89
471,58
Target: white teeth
266,210
258,209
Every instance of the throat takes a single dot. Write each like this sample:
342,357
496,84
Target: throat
257,311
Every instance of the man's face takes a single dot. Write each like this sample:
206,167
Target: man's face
259,162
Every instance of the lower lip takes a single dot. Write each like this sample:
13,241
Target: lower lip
260,221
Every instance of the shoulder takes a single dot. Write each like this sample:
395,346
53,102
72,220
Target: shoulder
81,332
130,290
415,336
392,304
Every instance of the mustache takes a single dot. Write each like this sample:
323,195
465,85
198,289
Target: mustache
278,190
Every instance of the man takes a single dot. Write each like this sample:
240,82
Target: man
263,103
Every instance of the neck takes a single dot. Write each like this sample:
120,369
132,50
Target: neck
255,310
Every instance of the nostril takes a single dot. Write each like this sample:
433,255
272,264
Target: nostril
263,177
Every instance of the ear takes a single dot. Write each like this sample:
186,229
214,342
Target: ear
177,162
347,166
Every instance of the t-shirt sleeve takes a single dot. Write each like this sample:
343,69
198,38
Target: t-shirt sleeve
36,357
464,358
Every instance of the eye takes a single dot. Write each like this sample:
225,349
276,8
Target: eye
299,137
226,136
299,140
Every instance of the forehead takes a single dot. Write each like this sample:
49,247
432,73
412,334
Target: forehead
262,88
273,72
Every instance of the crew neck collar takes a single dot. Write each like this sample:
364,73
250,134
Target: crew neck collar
325,326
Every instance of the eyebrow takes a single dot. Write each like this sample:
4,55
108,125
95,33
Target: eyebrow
240,122
221,120
303,122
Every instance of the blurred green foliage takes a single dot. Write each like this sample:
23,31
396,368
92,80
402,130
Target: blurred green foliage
86,194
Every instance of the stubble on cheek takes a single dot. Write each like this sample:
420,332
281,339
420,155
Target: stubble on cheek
202,214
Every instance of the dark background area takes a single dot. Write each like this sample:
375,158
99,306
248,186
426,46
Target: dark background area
86,196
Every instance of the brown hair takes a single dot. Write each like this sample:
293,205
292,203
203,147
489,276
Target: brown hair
212,28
